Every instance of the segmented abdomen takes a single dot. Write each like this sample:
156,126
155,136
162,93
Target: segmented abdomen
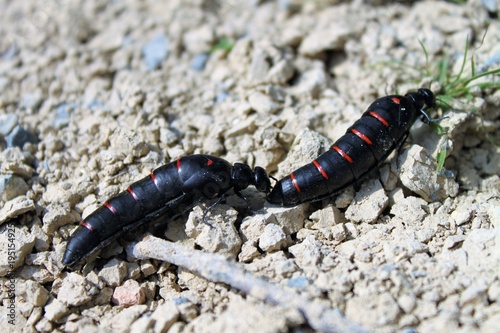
365,145
167,189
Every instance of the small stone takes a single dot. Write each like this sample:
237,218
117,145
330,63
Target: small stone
74,290
259,66
165,316
351,229
253,226
262,103
411,206
337,233
147,268
311,83
272,239
248,252
155,52
327,217
12,186
300,282
187,310
418,173
142,324
10,53
213,146
426,234
388,178
55,216
113,272
35,316
307,253
368,203
36,294
7,123
36,273
462,215
19,136
31,101
306,147
122,321
373,310
55,310
62,115
44,325
407,302
281,72
199,39
199,61
221,96
453,241
128,294
344,198
16,238
490,5
218,234
242,127
128,143
109,39
494,292
319,41
474,293
290,219
15,207
452,23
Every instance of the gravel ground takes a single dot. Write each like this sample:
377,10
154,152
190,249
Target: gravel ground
97,94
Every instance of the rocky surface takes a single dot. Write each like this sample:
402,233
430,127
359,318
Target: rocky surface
97,94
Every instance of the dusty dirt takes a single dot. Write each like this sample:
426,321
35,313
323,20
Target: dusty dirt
97,94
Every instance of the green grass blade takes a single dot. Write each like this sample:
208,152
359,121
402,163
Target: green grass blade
441,158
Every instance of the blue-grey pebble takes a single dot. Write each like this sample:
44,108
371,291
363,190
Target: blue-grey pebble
7,123
199,61
31,101
299,282
221,96
62,115
155,52
19,136
490,5
12,186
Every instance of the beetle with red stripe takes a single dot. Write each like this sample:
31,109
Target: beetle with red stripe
367,143
170,189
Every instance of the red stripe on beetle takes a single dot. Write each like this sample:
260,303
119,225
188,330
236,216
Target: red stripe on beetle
210,162
343,154
396,100
320,169
179,164
379,118
153,177
111,208
294,182
86,225
362,136
132,193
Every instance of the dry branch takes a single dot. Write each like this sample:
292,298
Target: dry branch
216,268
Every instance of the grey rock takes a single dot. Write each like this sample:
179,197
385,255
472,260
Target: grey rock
12,186
199,61
19,136
7,123
62,115
155,52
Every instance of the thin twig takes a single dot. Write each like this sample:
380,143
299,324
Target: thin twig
216,268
